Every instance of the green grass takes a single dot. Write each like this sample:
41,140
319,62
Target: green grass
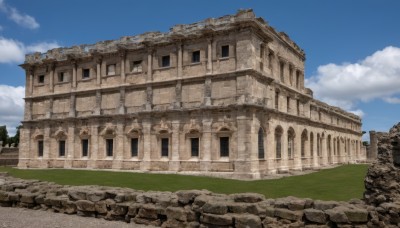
340,183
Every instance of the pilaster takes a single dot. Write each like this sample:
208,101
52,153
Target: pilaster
51,75
149,66
324,151
25,152
270,153
207,92
69,157
205,163
284,146
315,157
149,98
98,70
31,80
178,94
145,164
121,107
297,152
74,74
72,101
46,146
123,58
49,111
180,59
209,56
174,164
94,144
119,149
97,109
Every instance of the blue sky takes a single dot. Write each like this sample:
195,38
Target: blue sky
352,47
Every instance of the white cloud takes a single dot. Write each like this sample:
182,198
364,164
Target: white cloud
12,51
11,107
19,18
375,77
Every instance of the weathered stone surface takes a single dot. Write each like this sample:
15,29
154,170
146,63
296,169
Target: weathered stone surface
247,220
288,214
337,215
149,211
219,220
357,215
95,196
28,197
177,213
215,207
187,196
248,197
324,205
85,205
77,194
314,215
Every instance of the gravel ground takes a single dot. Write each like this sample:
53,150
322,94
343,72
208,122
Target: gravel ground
27,218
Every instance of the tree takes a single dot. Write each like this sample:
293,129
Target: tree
3,134
15,138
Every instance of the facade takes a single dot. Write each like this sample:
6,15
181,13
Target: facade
221,97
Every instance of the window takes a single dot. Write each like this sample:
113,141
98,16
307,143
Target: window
270,57
41,79
318,145
85,73
261,143
61,148
225,51
303,143
194,142
61,77
224,146
297,79
276,100
311,144
290,143
165,61
282,66
136,66
85,147
111,69
109,147
278,143
298,107
134,147
288,104
196,57
164,147
40,148
291,75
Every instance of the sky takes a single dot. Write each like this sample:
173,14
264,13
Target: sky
352,47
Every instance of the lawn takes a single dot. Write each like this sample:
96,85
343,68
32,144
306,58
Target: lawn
340,183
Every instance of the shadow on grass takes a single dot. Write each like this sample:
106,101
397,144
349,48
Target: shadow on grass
340,183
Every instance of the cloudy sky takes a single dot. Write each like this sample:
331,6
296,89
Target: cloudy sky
352,47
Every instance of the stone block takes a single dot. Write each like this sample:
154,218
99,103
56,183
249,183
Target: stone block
28,197
247,221
219,220
337,215
357,215
316,216
288,214
215,207
77,194
85,205
95,196
176,213
149,211
324,205
248,197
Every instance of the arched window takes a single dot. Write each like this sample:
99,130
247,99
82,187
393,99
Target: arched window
278,141
291,136
338,146
318,145
261,151
311,144
281,69
304,138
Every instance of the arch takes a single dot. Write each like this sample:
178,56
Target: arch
60,134
261,149
278,141
318,145
290,136
304,138
338,147
334,146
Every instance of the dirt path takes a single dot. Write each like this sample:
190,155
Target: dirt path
24,218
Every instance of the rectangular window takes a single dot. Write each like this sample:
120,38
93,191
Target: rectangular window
134,147
165,61
61,77
282,66
277,100
85,73
109,147
164,147
85,147
136,66
224,146
194,147
111,69
40,148
196,57
41,79
225,51
61,148
288,104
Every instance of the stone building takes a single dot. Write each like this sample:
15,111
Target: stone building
221,97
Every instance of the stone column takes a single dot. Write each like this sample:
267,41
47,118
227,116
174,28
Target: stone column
119,149
69,157
51,81
270,153
315,157
46,146
174,163
306,161
146,163
244,148
123,57
121,107
209,57
74,66
94,145
324,151
205,163
97,109
297,161
178,94
72,111
284,155
49,111
98,70
31,80
149,98
180,59
25,149
207,92
149,66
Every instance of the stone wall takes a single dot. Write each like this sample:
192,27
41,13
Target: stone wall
8,155
188,208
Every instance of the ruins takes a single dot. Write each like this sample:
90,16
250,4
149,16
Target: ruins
221,97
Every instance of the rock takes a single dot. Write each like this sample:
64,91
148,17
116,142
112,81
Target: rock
247,220
357,215
28,197
101,207
176,213
77,194
219,220
95,196
215,207
69,207
149,211
288,214
314,215
296,204
325,205
133,209
85,205
248,197
337,215
188,196
120,209
149,222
